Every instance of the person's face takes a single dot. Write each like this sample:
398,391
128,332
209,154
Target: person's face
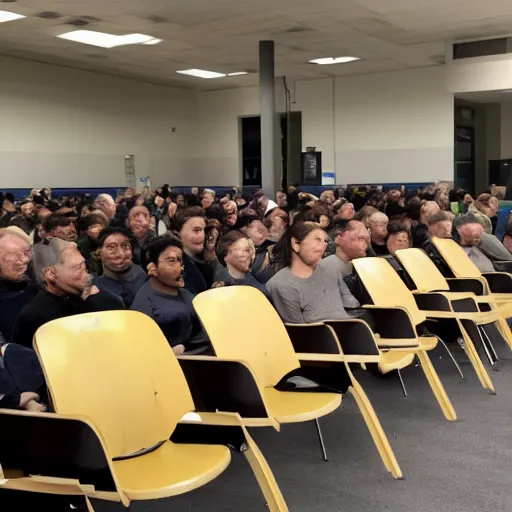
70,275
347,211
84,211
211,240
194,191
327,196
15,255
67,233
206,200
169,269
128,193
442,229
312,248
442,200
281,199
116,253
379,230
180,200
171,210
159,201
507,242
94,230
139,201
257,232
139,221
239,255
192,235
467,200
230,208
470,234
107,207
27,210
493,207
324,221
354,242
397,241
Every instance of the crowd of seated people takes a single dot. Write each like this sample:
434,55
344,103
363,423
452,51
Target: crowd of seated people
61,256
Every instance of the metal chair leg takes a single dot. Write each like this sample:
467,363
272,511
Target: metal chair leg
490,345
321,440
486,349
451,357
402,383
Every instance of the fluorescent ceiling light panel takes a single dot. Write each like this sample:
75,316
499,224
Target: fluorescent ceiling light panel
10,16
155,40
238,73
336,60
104,40
201,73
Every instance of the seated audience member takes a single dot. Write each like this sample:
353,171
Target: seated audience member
25,220
189,225
327,197
399,238
90,227
276,221
7,209
440,225
235,252
120,276
351,239
281,199
469,232
364,214
164,299
346,211
482,210
258,233
60,267
303,291
60,226
207,198
21,379
378,224
139,221
16,291
420,229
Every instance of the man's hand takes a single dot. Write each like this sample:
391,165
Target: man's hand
178,349
90,290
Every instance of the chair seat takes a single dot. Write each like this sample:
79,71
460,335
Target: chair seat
171,469
294,406
394,360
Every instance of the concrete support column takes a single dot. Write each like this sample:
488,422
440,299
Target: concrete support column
271,156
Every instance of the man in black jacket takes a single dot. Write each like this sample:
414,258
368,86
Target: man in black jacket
67,291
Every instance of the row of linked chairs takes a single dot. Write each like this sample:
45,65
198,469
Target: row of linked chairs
134,422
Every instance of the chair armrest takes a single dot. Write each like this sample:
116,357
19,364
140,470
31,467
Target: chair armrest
355,337
432,301
225,385
474,285
499,282
315,338
392,322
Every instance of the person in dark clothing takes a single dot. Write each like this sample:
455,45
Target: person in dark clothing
67,290
378,225
235,253
90,227
16,291
120,276
58,225
189,225
25,220
139,221
258,233
164,299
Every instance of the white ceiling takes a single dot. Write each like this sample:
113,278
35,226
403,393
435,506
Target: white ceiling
223,35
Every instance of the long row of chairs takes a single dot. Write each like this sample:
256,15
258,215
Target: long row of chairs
134,422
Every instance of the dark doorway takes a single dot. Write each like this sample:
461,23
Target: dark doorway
251,151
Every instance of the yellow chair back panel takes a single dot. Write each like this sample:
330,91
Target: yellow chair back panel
385,286
116,368
455,257
242,324
422,270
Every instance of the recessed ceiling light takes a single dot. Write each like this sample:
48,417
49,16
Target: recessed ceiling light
155,40
238,73
331,60
9,16
201,73
105,40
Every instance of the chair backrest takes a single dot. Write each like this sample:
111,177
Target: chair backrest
117,369
385,286
242,324
455,257
422,270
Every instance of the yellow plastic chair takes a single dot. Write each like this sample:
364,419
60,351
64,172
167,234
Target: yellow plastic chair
397,316
496,284
229,314
116,370
449,295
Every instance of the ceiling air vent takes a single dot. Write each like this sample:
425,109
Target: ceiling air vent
49,15
500,46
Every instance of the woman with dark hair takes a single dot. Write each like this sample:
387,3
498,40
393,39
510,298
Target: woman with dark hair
302,291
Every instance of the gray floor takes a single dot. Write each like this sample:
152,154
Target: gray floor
461,466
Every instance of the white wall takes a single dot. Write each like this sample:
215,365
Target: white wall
61,127
372,128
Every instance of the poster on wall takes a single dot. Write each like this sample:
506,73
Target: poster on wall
129,170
